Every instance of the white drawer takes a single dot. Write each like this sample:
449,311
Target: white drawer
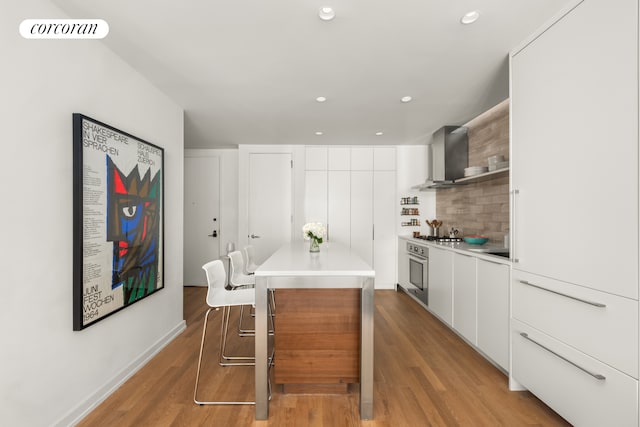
576,395
607,331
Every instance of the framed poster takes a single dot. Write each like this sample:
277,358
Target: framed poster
118,220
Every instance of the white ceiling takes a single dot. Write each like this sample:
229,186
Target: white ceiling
248,71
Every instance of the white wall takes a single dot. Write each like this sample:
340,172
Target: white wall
50,374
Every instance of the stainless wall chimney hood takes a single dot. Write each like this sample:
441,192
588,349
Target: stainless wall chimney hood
449,154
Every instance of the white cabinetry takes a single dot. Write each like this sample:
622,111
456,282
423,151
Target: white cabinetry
355,196
362,158
339,206
582,389
316,158
339,158
315,207
574,154
574,105
361,214
384,231
384,158
464,296
600,324
493,311
471,295
441,284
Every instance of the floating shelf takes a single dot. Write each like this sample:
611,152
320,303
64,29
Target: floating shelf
411,200
410,212
410,224
482,177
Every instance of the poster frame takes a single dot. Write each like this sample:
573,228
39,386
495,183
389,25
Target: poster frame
79,322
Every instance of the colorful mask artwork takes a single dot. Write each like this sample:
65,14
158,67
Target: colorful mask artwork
133,227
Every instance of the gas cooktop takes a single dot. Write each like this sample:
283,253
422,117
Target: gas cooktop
440,238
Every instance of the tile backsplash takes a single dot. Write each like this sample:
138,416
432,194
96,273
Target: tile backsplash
481,207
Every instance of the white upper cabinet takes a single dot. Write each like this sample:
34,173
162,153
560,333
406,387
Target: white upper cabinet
574,149
384,158
356,202
339,158
339,204
315,158
361,158
315,201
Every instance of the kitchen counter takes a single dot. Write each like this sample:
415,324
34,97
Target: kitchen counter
479,251
335,268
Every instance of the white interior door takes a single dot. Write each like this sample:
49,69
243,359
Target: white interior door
270,202
201,217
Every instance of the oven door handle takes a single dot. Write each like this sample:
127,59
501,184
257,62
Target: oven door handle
417,258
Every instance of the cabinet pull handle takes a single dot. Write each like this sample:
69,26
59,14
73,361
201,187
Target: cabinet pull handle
596,376
596,304
513,242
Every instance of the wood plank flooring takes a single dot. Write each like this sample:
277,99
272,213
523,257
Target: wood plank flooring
424,375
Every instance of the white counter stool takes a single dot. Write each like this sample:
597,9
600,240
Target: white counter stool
237,276
249,260
218,296
239,279
250,267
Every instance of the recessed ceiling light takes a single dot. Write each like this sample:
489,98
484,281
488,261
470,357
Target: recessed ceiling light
318,133
327,13
379,133
321,99
406,99
470,18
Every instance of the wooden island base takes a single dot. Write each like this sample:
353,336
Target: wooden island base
317,340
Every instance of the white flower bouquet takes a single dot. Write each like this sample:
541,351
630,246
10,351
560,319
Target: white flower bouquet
315,231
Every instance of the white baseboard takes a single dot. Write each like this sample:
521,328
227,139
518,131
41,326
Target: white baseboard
84,408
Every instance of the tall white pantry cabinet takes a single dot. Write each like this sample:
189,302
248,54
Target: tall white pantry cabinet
353,191
574,208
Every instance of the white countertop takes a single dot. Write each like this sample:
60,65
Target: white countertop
334,259
465,248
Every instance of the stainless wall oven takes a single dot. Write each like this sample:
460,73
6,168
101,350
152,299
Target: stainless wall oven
418,265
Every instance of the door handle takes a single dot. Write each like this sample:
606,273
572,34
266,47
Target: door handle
214,233
253,236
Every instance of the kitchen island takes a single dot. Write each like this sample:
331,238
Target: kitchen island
334,267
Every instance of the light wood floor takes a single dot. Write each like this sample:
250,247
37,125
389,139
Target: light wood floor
425,375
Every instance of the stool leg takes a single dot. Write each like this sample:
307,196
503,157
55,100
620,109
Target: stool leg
223,344
195,391
244,332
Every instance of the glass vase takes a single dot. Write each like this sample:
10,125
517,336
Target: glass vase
314,246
